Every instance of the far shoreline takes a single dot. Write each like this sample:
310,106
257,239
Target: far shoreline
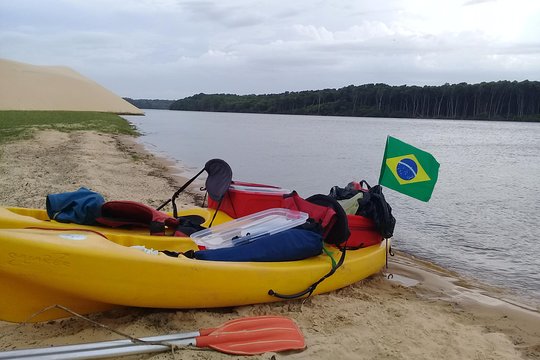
525,121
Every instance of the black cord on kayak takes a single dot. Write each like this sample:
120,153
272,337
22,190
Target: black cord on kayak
386,252
313,286
204,197
215,213
175,195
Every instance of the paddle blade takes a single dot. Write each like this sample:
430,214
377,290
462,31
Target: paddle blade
254,335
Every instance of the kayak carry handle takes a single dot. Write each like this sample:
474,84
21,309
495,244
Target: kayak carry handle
313,286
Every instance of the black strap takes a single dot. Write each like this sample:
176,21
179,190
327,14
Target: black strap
157,228
364,182
215,213
313,286
204,197
175,195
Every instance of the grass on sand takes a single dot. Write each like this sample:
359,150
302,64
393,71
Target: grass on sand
20,124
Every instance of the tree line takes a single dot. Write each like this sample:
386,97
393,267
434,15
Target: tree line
150,103
501,100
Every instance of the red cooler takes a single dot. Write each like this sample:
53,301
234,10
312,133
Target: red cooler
247,198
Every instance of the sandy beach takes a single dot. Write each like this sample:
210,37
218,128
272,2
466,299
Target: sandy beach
423,312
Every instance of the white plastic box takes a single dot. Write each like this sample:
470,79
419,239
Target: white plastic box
249,228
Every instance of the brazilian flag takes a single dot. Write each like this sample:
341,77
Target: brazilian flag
409,170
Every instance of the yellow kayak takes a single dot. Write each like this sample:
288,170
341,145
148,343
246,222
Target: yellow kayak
22,218
89,269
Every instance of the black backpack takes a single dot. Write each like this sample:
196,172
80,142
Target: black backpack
374,206
339,232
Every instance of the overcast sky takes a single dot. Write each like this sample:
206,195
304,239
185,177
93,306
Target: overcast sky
170,49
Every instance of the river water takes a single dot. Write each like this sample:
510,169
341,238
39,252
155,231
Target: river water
482,220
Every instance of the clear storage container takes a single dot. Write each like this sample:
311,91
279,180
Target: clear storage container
249,228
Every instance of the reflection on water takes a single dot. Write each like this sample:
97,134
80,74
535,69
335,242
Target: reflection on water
482,219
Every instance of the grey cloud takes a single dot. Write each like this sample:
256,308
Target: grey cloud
229,16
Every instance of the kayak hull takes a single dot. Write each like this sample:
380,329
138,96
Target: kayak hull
22,218
87,271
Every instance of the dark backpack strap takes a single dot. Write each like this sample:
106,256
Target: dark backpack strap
322,214
339,232
364,182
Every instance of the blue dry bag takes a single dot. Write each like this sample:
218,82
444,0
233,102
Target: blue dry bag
81,207
288,245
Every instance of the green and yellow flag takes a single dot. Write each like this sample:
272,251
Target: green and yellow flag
409,170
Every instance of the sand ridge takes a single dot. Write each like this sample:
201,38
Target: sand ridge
33,87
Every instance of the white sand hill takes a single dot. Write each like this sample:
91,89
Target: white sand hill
31,87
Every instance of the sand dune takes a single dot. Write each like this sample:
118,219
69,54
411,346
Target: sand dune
31,87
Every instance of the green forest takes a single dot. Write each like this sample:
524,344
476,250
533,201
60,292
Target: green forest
501,100
150,103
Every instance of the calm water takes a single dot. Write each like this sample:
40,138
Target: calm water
483,218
